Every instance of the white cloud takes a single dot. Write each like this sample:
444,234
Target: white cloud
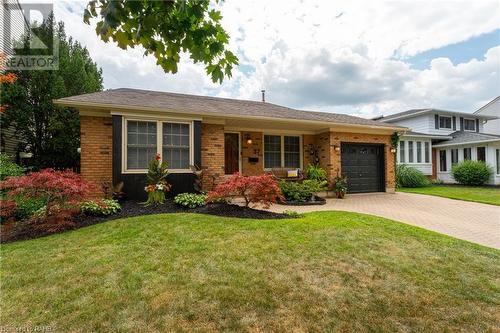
340,56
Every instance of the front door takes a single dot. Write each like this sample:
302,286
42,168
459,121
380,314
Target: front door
231,153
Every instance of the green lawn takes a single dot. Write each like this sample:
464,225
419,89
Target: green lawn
329,271
487,195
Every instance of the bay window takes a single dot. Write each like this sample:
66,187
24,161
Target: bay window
427,151
144,139
402,152
410,151
419,152
282,151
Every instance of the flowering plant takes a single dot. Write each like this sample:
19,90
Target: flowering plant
156,185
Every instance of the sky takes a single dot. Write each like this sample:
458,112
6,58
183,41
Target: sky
365,58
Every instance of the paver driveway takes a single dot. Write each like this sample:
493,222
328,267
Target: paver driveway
475,222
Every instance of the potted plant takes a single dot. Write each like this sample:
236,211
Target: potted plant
156,185
340,186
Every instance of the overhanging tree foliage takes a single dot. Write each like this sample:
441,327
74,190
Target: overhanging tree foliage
165,29
50,132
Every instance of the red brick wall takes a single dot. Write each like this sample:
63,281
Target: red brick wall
255,149
96,152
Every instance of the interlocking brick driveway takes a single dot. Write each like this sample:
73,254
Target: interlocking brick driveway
475,222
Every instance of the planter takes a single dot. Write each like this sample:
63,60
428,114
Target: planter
316,202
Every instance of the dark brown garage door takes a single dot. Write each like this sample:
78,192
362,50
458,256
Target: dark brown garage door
363,165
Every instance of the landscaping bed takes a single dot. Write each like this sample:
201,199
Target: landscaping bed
482,194
23,230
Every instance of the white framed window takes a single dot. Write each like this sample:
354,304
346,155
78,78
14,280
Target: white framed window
401,151
143,139
498,161
445,122
454,157
419,152
410,151
470,125
282,151
467,153
141,144
427,151
442,161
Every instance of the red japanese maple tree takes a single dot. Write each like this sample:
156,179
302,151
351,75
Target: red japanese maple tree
263,190
59,189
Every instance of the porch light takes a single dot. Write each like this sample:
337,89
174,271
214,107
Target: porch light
249,139
337,148
393,150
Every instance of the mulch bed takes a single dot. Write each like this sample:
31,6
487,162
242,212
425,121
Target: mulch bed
317,202
23,230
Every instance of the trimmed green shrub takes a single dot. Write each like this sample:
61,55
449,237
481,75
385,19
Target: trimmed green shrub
100,207
407,176
471,172
301,191
315,172
190,200
9,168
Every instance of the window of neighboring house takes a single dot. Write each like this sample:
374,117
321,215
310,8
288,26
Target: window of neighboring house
427,151
175,146
141,144
445,122
410,151
272,151
401,152
467,153
454,156
469,124
481,154
419,152
292,151
498,161
442,160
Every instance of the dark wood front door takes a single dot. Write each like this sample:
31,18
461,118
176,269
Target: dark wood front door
363,165
231,153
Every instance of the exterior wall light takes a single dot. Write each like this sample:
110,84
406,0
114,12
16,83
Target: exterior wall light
393,150
337,148
249,139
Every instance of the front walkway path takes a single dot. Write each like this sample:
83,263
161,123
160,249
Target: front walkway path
475,222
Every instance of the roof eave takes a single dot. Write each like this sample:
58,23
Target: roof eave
68,103
465,143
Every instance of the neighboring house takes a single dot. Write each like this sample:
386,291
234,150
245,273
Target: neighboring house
491,109
439,139
122,129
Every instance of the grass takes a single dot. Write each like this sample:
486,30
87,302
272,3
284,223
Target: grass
328,271
487,195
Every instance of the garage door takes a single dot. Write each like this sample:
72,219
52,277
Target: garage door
363,165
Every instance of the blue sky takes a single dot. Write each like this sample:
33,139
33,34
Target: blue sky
473,48
346,56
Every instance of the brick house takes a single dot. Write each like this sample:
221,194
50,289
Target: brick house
122,129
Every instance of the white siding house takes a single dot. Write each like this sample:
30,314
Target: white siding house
455,136
491,109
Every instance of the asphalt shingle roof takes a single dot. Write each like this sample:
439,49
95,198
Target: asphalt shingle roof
193,104
415,112
462,137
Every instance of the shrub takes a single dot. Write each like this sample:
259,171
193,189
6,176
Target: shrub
262,190
407,176
7,209
59,190
471,172
190,200
292,213
315,172
100,207
156,184
27,207
301,191
9,168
